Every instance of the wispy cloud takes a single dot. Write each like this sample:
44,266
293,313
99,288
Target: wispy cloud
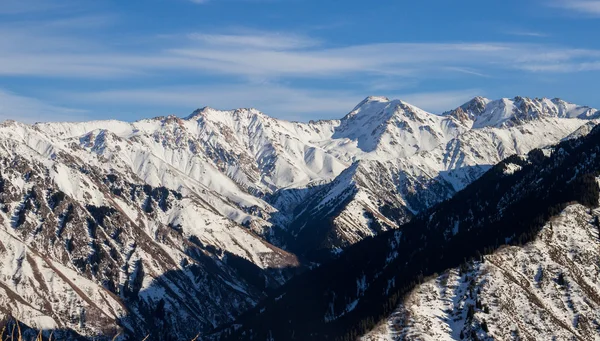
440,101
256,40
526,33
27,6
249,60
258,54
585,7
273,99
242,56
280,101
397,59
201,2
30,110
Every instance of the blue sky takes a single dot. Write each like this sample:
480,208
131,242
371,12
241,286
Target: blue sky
293,59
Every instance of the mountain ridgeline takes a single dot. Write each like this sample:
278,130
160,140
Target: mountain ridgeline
346,298
175,227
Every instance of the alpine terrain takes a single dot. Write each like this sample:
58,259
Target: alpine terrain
387,224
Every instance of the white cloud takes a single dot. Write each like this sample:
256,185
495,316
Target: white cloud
201,2
587,7
275,100
242,56
397,59
27,6
527,34
258,39
441,101
268,55
30,110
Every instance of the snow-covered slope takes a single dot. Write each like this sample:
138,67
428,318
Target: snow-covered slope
548,289
258,170
391,129
383,189
482,112
539,278
107,221
88,246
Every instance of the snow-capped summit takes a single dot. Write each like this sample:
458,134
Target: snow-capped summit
481,112
413,159
198,112
367,101
390,129
470,110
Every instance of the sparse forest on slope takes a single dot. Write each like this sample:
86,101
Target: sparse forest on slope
543,290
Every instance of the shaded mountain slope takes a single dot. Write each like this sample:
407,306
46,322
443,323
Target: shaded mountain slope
508,204
546,289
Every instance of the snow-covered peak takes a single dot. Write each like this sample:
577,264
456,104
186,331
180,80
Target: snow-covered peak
570,110
371,99
197,113
374,104
481,112
377,99
389,129
263,154
471,109
369,105
215,115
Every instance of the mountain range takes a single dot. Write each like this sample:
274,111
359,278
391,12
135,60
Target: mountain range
176,227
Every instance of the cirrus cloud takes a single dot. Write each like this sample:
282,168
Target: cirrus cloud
585,7
30,110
